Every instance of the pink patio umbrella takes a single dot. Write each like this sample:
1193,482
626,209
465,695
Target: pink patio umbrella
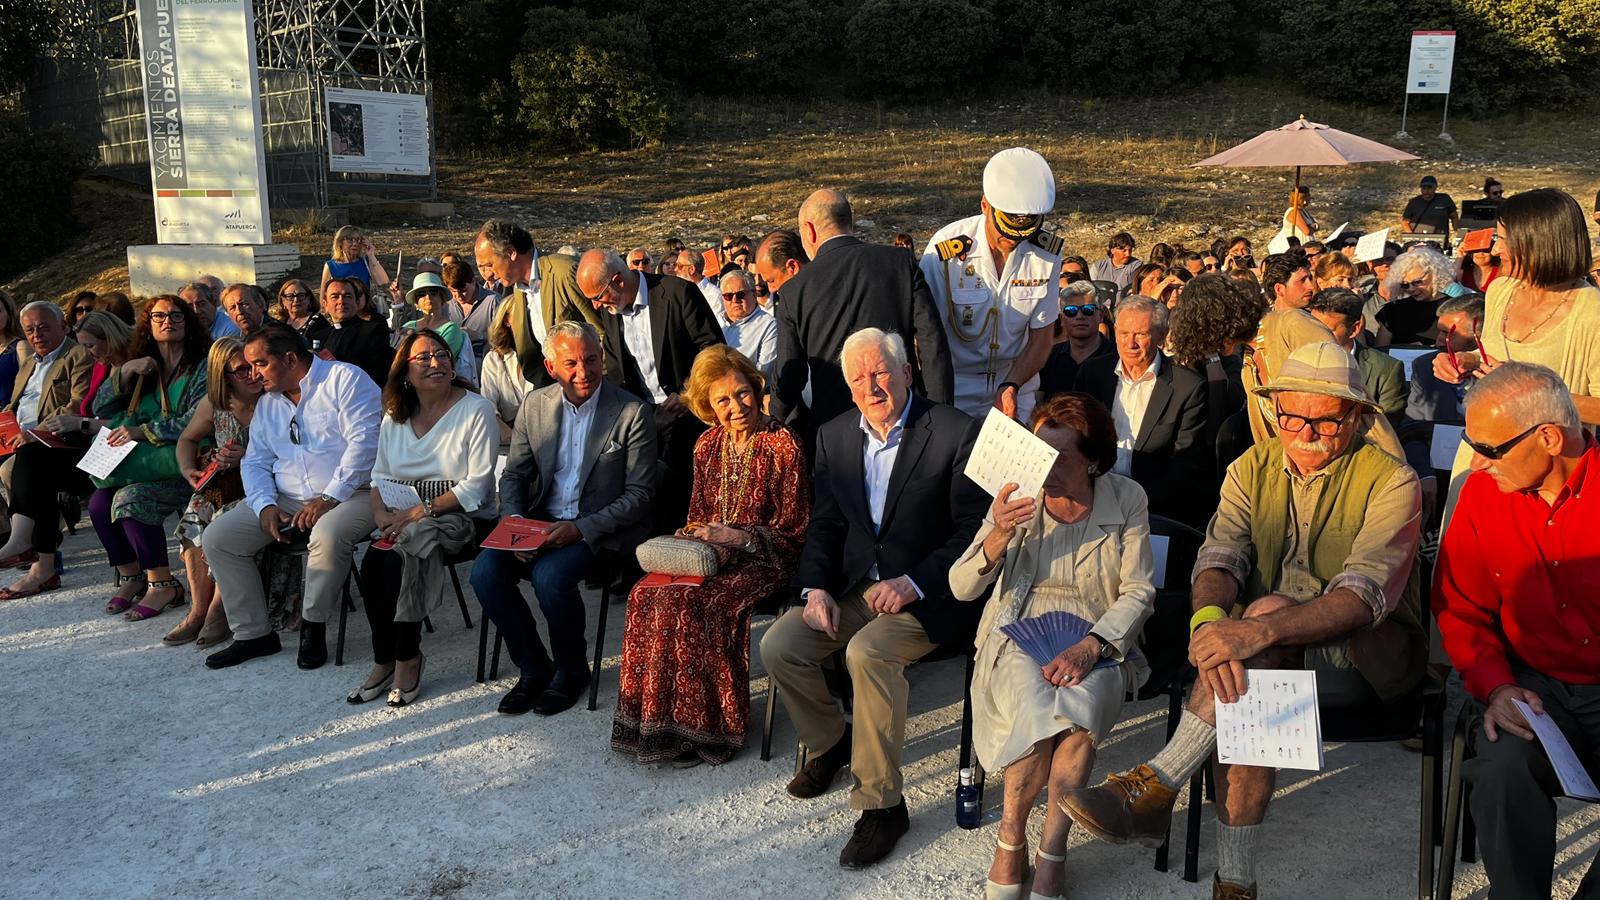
1302,143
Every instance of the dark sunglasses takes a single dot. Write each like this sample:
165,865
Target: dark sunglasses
1084,309
242,372
1497,451
735,295
1209,267
1408,285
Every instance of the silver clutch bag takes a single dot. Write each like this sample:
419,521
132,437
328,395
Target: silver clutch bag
672,555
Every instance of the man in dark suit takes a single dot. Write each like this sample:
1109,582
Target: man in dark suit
1432,400
363,343
1160,411
654,326
583,457
892,513
850,285
542,291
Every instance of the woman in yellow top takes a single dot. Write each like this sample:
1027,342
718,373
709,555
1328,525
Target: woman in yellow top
1541,309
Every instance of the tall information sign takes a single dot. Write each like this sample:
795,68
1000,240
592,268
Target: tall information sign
202,97
1433,56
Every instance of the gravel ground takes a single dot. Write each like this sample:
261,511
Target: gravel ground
134,772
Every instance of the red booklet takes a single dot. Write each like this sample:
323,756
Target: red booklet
662,579
1481,239
517,534
47,438
326,354
10,432
208,473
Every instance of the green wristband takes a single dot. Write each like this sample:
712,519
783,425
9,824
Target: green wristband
1206,614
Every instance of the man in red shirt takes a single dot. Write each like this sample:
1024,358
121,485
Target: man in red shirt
1518,595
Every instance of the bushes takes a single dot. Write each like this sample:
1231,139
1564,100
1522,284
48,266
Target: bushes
1508,52
935,47
41,168
589,82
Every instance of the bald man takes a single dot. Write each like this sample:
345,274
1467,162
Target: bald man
654,326
849,285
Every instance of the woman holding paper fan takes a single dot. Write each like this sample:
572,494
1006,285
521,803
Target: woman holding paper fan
436,450
148,403
223,417
684,695
1074,574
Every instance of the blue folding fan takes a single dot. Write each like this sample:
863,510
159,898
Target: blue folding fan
1043,637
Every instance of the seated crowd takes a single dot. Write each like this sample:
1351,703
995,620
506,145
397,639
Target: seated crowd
787,421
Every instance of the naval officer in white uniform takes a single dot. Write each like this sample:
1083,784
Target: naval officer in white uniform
994,278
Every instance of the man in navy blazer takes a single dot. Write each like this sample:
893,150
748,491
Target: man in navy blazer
1160,411
892,512
850,285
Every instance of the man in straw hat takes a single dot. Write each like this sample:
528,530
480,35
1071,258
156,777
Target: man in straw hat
993,276
1308,563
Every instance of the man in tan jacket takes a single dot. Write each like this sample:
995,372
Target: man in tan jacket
540,291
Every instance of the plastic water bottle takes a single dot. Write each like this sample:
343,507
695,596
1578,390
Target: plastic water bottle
968,807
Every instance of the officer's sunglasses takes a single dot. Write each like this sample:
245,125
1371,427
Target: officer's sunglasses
1084,309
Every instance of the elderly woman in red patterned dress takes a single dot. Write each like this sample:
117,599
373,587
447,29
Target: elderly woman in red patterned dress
685,692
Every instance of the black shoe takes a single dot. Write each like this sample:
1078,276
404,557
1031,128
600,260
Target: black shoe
819,772
313,645
244,650
524,694
877,831
562,694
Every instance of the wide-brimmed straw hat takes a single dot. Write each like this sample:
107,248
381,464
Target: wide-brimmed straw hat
1323,368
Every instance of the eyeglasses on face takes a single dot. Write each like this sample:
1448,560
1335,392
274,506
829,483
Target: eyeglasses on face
735,295
1324,426
1209,267
1410,285
1498,451
638,263
163,315
1081,309
243,371
427,356
295,295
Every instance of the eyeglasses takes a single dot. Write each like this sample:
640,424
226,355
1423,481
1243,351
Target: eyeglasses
242,372
442,356
1209,267
727,247
295,295
83,310
1082,309
164,316
638,263
1408,285
1497,451
735,295
1326,426
1496,195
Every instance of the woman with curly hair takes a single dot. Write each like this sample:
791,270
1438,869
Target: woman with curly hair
1216,315
1420,279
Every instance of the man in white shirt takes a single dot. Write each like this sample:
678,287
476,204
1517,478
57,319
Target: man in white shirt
751,330
542,290
306,475
690,266
583,458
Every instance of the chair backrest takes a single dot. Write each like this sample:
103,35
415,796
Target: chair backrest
1106,292
1165,642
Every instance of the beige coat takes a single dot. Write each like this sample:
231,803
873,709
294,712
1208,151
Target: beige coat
1116,554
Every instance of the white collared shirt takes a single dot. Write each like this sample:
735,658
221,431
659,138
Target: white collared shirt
756,336
531,296
567,484
33,391
877,463
336,423
636,334
713,295
1128,409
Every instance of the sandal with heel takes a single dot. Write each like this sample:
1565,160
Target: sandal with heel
993,890
114,604
140,612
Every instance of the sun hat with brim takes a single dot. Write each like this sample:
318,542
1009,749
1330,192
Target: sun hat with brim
425,281
1322,368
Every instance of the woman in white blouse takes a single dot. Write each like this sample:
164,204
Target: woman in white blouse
503,383
438,438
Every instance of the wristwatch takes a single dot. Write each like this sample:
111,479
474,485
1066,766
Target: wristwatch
327,499
1107,649
427,508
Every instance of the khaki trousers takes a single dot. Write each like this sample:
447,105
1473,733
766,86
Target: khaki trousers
877,650
233,539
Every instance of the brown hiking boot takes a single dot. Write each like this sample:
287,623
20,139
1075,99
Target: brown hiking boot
1130,806
1227,890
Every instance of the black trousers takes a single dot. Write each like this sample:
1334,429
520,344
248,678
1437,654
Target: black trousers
37,476
380,591
1513,785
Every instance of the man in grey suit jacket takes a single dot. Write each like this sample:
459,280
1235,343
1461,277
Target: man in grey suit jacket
583,457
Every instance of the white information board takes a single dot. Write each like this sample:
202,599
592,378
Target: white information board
208,171
1433,53
377,131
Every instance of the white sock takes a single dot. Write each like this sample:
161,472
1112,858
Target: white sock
21,538
1188,750
1236,853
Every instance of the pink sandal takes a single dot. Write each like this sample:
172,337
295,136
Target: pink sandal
140,612
115,604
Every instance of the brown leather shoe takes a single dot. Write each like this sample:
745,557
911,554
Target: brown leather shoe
1130,806
818,774
1227,890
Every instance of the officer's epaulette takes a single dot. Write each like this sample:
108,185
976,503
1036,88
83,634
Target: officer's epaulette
954,248
1048,241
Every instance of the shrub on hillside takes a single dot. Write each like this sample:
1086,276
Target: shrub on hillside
935,47
41,168
588,81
